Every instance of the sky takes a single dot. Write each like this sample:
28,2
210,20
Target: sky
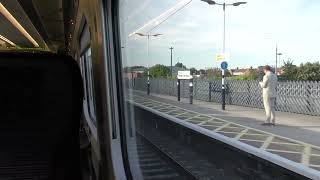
252,32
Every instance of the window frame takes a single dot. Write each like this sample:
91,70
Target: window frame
91,102
112,25
89,105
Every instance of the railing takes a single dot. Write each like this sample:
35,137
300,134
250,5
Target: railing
301,97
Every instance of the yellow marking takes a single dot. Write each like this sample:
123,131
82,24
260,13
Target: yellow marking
305,159
241,134
221,127
267,142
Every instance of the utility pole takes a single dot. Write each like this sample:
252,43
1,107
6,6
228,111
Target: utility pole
277,54
223,88
171,48
148,39
275,69
211,2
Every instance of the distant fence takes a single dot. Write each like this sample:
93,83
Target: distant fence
301,97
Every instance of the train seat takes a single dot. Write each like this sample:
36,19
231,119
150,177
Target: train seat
40,107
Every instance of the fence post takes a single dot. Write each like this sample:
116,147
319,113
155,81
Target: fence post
191,91
195,88
210,89
308,93
248,89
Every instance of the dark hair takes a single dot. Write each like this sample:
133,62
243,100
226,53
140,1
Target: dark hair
268,68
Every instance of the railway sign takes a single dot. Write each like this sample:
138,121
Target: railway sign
222,57
184,75
224,65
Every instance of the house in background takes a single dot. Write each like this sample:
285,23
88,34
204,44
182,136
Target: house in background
133,72
239,72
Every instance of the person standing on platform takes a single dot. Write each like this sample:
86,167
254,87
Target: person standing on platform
269,93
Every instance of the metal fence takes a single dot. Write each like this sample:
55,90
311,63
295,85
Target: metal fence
301,97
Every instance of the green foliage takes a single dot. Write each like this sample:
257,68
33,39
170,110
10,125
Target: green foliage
309,72
251,74
193,71
305,72
158,71
216,73
132,68
290,71
180,65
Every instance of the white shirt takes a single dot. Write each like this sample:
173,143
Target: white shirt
269,85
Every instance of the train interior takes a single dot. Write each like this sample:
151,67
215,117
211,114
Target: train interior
41,91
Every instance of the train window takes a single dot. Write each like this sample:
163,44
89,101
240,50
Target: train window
89,83
213,88
83,73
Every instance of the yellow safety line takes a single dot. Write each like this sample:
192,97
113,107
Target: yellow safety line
270,136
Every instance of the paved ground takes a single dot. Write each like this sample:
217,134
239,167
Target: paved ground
295,126
295,137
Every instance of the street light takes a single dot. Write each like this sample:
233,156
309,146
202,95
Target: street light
277,54
148,38
210,2
171,48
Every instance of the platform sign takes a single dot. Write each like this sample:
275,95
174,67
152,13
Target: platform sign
222,57
184,75
224,65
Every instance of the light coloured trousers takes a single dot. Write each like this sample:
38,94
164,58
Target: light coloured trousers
269,106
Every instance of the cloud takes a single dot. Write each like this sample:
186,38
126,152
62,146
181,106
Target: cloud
252,32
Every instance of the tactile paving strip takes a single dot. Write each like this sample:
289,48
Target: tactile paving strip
297,151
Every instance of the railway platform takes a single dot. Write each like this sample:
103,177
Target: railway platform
292,143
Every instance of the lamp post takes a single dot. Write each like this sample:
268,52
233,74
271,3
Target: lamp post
210,2
148,38
171,48
277,54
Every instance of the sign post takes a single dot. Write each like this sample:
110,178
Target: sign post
191,91
178,88
183,75
224,66
220,57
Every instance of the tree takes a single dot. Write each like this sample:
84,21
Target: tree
159,70
309,72
180,65
251,74
216,73
193,71
290,71
128,69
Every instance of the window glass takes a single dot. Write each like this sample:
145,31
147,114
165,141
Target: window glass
83,73
87,72
221,89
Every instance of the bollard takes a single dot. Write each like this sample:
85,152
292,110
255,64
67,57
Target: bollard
223,91
148,87
191,91
178,87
